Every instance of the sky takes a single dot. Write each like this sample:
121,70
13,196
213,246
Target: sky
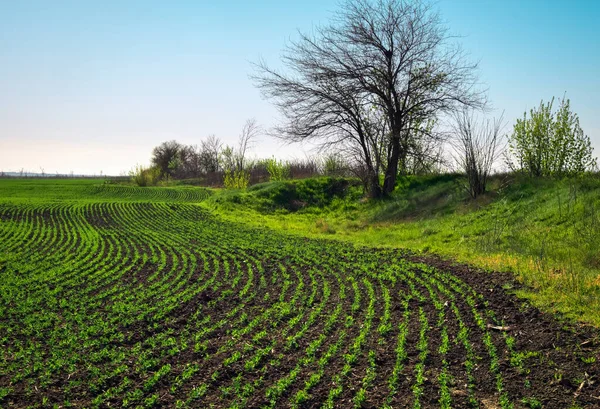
91,87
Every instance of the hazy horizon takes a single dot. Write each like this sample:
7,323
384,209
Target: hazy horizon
90,88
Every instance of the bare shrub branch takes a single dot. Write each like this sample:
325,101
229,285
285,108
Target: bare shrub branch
477,147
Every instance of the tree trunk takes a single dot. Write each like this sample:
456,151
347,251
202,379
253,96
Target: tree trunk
389,183
375,191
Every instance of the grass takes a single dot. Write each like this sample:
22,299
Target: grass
30,190
285,197
115,295
132,280
545,231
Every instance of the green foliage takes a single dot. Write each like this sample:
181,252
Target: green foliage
278,170
532,403
228,158
236,169
335,165
143,176
151,300
545,230
236,179
295,195
589,359
551,142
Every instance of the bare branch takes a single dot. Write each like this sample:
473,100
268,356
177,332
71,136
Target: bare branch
392,57
477,147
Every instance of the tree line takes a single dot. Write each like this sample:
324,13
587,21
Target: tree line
211,160
387,90
213,163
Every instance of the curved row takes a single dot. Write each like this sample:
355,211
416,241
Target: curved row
136,303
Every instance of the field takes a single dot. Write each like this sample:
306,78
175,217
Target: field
545,231
117,296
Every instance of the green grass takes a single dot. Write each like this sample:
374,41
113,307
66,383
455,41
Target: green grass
115,295
291,196
17,190
545,231
135,297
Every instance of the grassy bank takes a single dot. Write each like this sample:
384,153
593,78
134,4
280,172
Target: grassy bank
546,231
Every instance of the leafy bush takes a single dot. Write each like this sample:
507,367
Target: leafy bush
551,143
142,176
278,170
236,179
300,194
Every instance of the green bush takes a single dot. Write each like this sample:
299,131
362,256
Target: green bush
236,179
551,143
335,165
278,170
142,176
304,193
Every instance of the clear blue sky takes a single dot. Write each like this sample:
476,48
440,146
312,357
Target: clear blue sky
90,86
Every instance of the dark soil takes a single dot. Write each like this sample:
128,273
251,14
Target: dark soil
219,328
558,376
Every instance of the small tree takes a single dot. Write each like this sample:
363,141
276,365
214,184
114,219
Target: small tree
477,147
250,133
550,143
236,174
335,165
209,154
165,157
188,163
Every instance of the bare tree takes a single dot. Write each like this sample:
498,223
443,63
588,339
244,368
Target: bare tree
209,154
233,160
189,164
393,56
329,109
477,147
250,133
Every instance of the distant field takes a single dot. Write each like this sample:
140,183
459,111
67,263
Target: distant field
117,296
90,190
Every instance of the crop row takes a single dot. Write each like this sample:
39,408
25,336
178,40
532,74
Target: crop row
24,192
159,303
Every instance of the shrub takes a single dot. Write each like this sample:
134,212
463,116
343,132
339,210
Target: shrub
477,148
335,165
302,169
142,176
236,179
551,143
278,170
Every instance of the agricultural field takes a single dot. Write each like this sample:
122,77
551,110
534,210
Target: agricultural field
118,296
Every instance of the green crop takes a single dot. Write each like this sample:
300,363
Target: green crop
140,297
